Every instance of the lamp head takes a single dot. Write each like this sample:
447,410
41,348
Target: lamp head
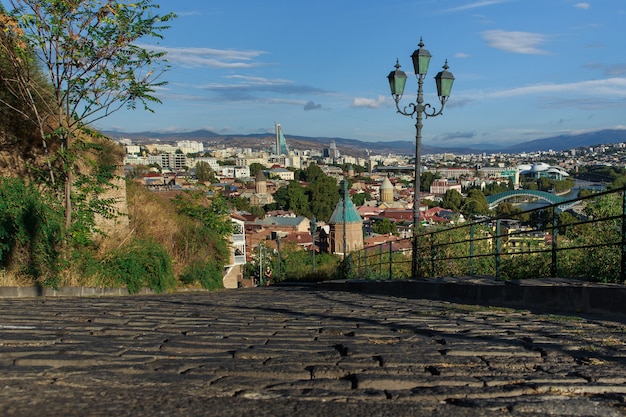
444,80
397,81
421,59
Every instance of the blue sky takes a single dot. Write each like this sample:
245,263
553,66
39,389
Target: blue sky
524,69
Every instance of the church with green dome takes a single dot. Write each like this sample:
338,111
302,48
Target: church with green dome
353,227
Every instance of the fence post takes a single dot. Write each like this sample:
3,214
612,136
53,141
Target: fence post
623,265
380,263
358,267
498,249
390,260
471,252
432,255
555,232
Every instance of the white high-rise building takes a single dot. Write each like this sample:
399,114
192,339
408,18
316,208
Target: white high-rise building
190,146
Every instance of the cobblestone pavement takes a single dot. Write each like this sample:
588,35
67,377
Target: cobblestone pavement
301,351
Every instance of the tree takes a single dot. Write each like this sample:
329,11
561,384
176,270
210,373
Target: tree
293,197
565,221
360,198
385,227
323,195
452,200
90,52
240,203
255,167
17,119
281,199
426,179
475,203
544,184
495,188
213,215
204,172
531,186
505,208
257,211
313,172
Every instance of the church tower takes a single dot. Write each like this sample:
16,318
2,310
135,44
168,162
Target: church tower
260,183
345,215
386,191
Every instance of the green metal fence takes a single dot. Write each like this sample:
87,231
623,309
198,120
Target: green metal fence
587,241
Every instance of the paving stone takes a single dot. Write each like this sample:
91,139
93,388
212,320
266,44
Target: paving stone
381,381
300,351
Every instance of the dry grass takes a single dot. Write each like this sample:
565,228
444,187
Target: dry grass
152,216
13,279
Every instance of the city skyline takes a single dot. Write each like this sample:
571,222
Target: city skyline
524,69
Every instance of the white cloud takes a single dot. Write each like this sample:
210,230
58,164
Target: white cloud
189,13
517,42
209,57
582,5
369,102
614,87
477,4
247,80
461,55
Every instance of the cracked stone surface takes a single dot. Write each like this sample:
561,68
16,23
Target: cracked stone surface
276,351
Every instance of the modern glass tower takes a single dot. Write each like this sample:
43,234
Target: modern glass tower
281,143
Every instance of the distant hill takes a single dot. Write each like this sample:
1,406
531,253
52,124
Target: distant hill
565,142
357,147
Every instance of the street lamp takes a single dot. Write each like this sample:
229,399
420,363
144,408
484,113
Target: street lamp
397,81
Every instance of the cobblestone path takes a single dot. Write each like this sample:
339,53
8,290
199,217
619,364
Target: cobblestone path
301,351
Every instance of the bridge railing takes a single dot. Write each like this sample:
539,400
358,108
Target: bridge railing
587,242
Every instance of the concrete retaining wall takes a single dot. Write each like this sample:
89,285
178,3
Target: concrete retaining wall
16,292
561,295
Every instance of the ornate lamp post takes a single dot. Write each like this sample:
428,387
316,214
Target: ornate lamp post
397,81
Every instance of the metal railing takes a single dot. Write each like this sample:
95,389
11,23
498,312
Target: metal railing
587,241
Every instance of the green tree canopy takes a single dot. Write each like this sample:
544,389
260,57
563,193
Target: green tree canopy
475,203
385,227
240,203
360,198
323,193
426,179
452,200
213,214
495,188
204,172
293,197
255,167
505,208
92,56
313,172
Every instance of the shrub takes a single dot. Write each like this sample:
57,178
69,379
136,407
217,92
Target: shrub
30,232
141,263
207,273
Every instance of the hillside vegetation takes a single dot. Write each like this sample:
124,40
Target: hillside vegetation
67,216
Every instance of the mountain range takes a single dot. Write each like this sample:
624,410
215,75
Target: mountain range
357,147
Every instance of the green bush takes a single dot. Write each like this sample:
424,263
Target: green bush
30,232
526,265
207,273
141,264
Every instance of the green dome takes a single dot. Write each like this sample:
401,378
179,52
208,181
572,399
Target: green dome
352,216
